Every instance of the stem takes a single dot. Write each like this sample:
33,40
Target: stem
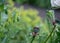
50,34
32,39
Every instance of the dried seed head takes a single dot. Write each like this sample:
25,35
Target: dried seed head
54,22
35,31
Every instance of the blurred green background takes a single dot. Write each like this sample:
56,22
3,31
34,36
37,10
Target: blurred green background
16,24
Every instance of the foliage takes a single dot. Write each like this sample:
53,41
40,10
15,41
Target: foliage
20,1
16,25
1,5
39,3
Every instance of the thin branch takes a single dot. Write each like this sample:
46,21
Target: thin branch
50,34
32,39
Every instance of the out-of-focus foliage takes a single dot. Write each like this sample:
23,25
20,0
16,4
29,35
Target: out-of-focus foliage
39,3
21,1
1,5
16,25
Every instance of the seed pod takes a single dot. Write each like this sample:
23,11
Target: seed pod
54,22
35,31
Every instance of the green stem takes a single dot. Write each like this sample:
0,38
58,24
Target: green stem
50,34
32,39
